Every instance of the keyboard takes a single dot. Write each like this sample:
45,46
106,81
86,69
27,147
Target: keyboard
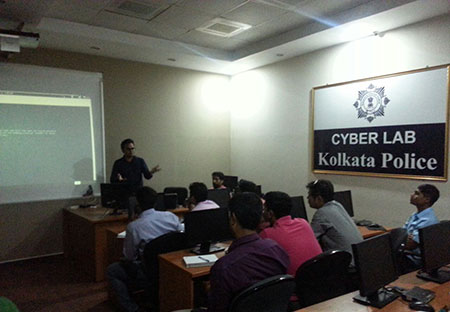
415,294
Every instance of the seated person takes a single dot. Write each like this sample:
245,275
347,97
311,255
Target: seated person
249,259
294,235
218,179
150,225
332,225
198,197
423,198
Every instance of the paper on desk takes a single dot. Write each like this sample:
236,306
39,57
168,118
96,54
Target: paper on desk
121,234
199,261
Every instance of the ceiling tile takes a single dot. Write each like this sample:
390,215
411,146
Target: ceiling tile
254,13
118,22
163,31
95,5
25,11
216,7
72,12
183,17
286,22
210,41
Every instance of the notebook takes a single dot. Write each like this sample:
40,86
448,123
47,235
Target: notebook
199,261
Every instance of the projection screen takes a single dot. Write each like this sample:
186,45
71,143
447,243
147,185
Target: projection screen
51,133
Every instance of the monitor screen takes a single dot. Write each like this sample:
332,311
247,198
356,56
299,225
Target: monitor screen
220,196
159,205
231,182
115,195
376,268
166,201
206,226
345,198
435,250
298,208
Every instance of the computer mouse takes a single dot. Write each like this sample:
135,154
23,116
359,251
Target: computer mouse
421,306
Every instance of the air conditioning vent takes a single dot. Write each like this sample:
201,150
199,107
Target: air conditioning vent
223,27
135,9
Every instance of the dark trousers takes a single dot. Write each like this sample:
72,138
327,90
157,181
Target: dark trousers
124,278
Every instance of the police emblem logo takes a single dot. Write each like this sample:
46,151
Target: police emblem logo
371,103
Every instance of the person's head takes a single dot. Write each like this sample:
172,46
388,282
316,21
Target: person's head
320,192
245,213
247,186
127,147
217,179
425,196
198,191
146,197
277,205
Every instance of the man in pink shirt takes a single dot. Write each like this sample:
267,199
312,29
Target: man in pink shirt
198,197
294,235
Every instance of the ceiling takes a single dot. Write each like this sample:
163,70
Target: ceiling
167,31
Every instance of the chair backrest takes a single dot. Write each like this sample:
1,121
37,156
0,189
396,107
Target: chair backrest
398,237
298,208
323,277
182,193
165,243
269,295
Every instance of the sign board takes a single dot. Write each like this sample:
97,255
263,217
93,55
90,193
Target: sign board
390,126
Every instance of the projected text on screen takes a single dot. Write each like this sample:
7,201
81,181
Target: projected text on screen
46,139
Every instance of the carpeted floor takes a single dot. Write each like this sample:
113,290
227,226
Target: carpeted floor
51,284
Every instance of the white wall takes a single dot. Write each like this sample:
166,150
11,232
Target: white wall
271,119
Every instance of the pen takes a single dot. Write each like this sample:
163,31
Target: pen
204,259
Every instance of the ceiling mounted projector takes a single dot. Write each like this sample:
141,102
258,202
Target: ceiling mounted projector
12,40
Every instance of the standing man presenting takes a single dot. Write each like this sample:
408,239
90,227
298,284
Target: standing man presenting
130,168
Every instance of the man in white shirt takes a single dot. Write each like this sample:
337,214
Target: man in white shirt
150,225
198,197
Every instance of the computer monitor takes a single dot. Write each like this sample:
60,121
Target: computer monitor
159,205
116,196
166,201
345,198
205,227
298,207
375,263
220,196
435,250
231,182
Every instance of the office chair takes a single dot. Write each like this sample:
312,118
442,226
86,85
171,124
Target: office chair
323,277
172,241
182,193
269,295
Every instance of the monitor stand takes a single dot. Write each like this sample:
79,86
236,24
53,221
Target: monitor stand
207,248
437,276
378,300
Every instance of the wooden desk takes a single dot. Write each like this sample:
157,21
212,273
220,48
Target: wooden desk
366,233
114,245
85,238
345,303
179,211
176,282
